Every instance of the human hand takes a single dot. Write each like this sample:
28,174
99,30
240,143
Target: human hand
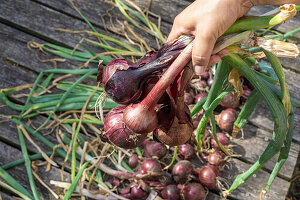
207,20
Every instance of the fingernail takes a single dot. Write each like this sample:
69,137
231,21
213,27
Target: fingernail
199,69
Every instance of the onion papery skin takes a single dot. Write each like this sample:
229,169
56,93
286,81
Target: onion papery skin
194,191
118,133
140,118
226,119
171,192
223,139
148,57
208,176
113,66
170,131
182,170
150,83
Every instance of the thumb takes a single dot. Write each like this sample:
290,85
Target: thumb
202,50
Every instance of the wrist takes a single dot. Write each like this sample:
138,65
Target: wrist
274,2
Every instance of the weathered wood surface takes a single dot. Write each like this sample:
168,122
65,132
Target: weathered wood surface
254,143
19,172
5,196
37,20
255,184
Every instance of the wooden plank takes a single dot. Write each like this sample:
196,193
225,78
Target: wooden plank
261,117
25,80
14,48
292,64
255,142
23,15
5,196
9,154
18,172
13,76
168,10
93,10
252,187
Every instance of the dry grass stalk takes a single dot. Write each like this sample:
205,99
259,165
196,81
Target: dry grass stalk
45,185
37,147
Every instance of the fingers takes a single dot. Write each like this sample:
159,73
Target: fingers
223,52
202,49
174,34
214,59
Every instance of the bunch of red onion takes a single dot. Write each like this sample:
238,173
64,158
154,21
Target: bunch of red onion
146,105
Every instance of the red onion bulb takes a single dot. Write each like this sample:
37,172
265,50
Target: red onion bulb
226,119
123,80
151,165
223,139
188,98
216,158
118,133
200,96
137,193
194,191
185,151
156,149
171,192
182,171
208,176
229,102
170,131
133,161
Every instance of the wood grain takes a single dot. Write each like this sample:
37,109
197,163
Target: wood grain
22,21
5,196
255,142
18,172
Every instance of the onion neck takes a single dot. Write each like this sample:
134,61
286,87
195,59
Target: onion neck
168,77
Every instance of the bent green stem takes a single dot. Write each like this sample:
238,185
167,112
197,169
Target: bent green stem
28,165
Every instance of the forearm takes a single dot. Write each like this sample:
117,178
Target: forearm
275,2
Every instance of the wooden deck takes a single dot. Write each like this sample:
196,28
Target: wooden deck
36,20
